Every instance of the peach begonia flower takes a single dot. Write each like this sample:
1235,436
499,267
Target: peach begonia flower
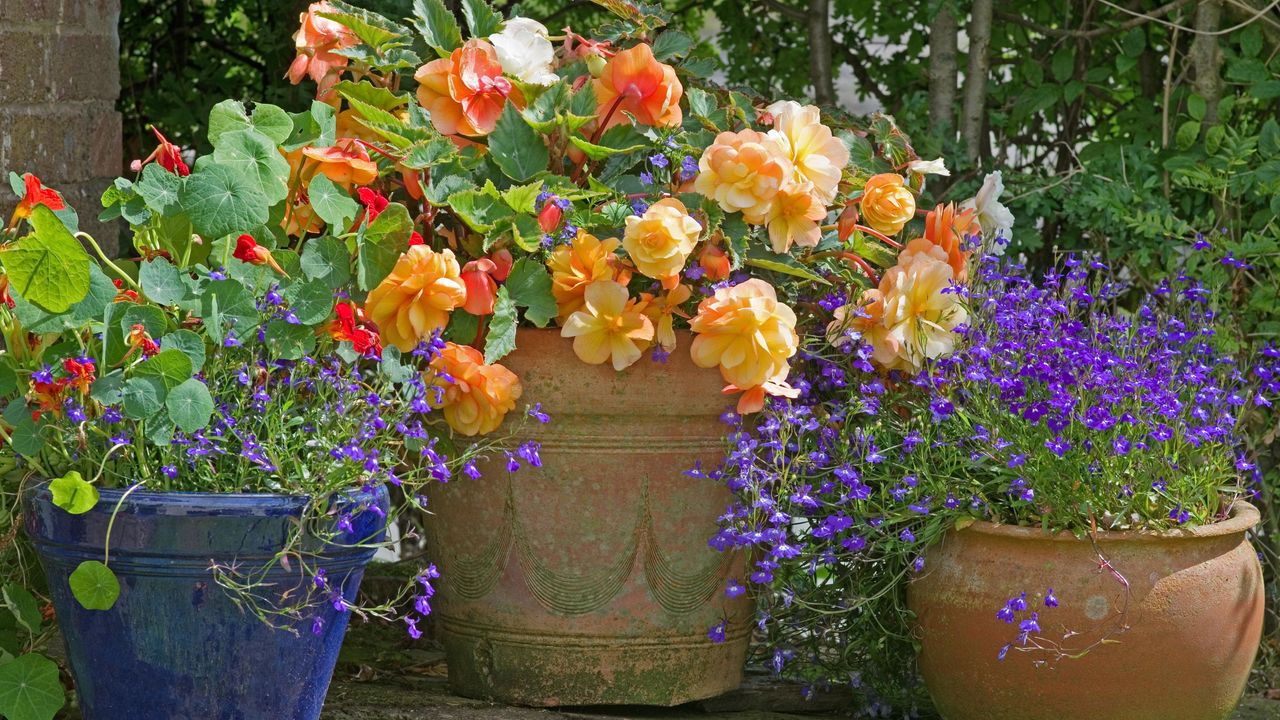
633,81
660,241
661,311
474,397
608,327
794,216
415,300
743,171
947,227
817,156
887,204
578,264
921,309
747,333
466,92
316,40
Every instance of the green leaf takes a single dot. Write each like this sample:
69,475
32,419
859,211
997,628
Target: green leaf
516,148
189,343
529,286
672,44
257,158
94,585
161,282
226,302
48,267
317,127
289,342
501,338
159,188
366,93
787,268
616,141
311,301
1195,106
437,25
332,203
30,688
479,209
143,397
230,115
525,232
73,493
1062,64
170,367
1187,134
372,29
326,259
521,198
101,293
481,18
24,607
462,328
190,405
221,201
381,244
151,318
1213,138
428,153
8,378
25,438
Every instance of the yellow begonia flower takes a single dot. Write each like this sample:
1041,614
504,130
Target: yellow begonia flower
793,219
661,311
660,241
887,204
576,265
747,333
609,326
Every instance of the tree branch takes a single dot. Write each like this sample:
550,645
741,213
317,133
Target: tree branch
785,10
1129,24
975,78
943,33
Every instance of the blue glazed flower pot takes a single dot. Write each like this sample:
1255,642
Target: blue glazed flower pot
175,645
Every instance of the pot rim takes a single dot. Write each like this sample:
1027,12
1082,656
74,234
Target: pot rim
198,501
1243,516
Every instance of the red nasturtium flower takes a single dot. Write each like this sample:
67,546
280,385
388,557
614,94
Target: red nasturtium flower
415,238
81,372
374,202
139,339
35,194
167,155
635,82
350,325
124,294
248,250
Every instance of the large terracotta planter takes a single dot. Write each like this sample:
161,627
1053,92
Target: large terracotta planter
1194,621
589,580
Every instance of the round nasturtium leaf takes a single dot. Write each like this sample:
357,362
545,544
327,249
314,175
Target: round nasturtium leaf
73,493
30,688
94,585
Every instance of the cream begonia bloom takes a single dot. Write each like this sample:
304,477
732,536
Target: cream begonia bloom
742,171
818,156
608,327
746,332
660,241
921,309
525,52
993,217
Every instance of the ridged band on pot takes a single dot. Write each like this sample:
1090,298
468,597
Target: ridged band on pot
1189,637
175,645
589,580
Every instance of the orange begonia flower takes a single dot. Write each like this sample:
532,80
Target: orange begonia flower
475,397
346,163
578,264
466,92
887,204
635,82
316,40
947,227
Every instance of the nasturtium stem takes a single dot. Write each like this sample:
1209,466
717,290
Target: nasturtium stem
107,261
106,541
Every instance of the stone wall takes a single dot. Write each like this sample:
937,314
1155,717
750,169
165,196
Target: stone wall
59,80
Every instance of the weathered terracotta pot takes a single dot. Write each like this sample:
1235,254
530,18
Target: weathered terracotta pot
1194,620
589,580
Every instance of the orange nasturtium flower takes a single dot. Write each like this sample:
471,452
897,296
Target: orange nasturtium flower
35,194
316,40
578,264
887,204
750,336
475,397
635,82
609,326
466,92
415,300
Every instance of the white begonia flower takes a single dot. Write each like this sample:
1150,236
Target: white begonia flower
525,51
994,218
929,167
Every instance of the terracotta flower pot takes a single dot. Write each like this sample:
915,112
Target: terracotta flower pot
1194,618
589,580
